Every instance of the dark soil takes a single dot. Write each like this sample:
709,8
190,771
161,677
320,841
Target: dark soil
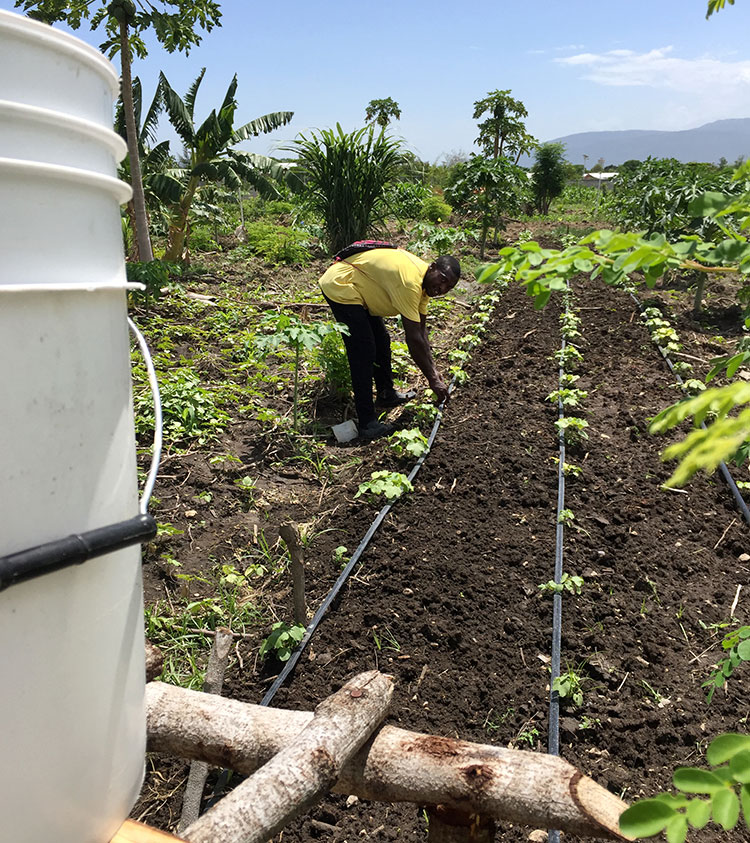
447,600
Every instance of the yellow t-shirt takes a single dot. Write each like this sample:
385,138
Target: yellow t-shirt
387,282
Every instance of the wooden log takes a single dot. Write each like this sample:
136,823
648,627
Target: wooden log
394,766
154,662
290,535
133,832
304,771
212,684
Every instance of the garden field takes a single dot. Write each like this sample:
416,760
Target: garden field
447,596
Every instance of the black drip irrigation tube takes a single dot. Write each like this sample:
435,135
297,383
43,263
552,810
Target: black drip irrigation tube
553,738
739,500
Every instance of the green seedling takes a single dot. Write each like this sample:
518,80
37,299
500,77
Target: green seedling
569,686
573,429
568,397
721,793
568,582
736,645
424,411
567,379
282,640
340,555
390,484
568,358
566,517
408,443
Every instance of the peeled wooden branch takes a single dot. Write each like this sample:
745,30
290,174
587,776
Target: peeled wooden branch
212,684
395,766
304,771
290,536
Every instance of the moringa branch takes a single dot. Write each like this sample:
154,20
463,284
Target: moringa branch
394,766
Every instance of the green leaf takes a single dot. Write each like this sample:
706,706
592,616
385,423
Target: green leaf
692,780
725,807
709,204
739,766
677,829
743,650
698,812
745,799
646,818
725,747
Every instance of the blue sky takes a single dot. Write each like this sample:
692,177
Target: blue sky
576,65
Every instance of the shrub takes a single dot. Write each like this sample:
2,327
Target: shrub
435,209
277,244
406,200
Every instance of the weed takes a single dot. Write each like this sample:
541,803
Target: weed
736,644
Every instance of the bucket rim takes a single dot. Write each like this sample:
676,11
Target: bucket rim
35,169
78,125
80,287
59,41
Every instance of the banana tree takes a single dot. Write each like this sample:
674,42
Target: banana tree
210,154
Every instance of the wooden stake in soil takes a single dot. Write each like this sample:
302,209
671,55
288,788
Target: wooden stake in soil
540,791
302,773
290,536
212,684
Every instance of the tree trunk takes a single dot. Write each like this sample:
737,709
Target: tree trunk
178,228
542,791
142,239
303,772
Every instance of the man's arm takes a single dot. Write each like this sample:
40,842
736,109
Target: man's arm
421,354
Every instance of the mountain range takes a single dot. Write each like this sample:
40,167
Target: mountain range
728,139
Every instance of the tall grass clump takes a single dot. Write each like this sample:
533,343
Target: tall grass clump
344,176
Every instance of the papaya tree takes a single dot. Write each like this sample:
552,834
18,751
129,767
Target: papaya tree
503,132
484,189
176,24
382,111
211,157
161,187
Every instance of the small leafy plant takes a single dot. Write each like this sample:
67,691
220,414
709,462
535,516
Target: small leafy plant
566,517
726,786
282,640
568,358
736,644
568,582
573,429
408,443
569,685
569,397
390,484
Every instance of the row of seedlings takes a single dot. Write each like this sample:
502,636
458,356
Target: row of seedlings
571,430
414,443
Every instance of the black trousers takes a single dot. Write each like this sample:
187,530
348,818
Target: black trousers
368,349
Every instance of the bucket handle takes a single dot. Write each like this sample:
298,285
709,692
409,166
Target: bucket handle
158,423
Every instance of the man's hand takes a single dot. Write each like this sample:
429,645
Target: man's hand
439,387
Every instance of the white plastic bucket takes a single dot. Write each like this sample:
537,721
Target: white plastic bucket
71,642
29,133
48,68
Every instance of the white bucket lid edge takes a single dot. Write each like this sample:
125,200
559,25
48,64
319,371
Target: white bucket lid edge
33,30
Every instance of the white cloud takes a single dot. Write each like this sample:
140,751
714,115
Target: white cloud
659,68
